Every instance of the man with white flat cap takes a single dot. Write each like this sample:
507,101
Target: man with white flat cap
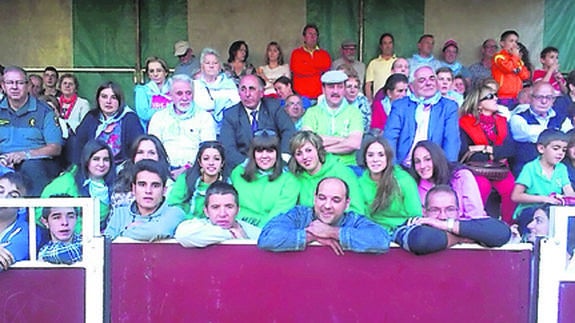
338,123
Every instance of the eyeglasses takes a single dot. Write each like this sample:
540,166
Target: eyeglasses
489,96
18,83
541,97
265,132
291,104
450,211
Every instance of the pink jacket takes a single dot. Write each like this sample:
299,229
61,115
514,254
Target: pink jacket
464,184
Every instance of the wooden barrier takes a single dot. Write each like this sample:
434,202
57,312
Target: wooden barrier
42,295
233,283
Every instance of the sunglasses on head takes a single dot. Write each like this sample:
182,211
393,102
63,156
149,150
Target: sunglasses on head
265,132
210,144
489,96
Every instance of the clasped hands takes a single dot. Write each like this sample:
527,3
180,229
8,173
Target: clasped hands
324,234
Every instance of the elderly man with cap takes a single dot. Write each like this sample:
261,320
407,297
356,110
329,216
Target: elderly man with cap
188,64
337,122
348,57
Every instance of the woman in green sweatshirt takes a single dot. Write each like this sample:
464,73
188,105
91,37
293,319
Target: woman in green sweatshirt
390,193
93,177
265,190
189,190
310,163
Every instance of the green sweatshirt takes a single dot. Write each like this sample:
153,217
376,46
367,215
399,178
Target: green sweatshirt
178,194
260,199
404,204
65,184
331,168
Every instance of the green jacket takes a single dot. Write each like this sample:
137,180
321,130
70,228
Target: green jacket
194,208
331,168
260,199
65,184
404,204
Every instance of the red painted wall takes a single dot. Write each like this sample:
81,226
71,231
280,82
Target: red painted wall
42,295
231,283
566,301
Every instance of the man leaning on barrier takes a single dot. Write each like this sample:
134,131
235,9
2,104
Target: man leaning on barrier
65,246
327,223
149,217
221,208
441,228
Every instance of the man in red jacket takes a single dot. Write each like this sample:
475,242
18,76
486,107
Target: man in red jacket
308,62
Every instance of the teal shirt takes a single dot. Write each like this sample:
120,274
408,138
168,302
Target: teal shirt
404,204
331,168
260,199
536,183
340,122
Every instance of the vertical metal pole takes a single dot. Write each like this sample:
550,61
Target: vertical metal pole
138,73
534,281
361,27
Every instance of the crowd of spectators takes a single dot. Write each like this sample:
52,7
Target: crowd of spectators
318,150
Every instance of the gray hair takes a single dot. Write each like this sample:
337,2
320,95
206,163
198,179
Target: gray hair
210,51
182,78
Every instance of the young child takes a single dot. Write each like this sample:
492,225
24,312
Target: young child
445,85
508,69
65,246
550,73
544,177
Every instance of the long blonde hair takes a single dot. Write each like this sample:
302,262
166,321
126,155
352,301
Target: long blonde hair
471,103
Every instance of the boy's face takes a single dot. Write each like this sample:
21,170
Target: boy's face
509,43
444,82
61,222
554,152
149,191
551,60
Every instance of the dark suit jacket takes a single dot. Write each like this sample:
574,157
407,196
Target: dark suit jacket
236,133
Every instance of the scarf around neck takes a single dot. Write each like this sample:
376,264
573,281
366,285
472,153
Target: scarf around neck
475,130
70,102
105,122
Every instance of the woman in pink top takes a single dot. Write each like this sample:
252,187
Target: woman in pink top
430,167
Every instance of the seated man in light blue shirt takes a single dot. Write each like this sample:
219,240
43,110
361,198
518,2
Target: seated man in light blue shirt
149,217
221,207
326,223
528,121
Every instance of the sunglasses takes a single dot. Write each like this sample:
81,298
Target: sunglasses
210,144
265,132
489,96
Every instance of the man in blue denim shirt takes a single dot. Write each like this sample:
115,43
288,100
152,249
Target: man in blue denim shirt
327,223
